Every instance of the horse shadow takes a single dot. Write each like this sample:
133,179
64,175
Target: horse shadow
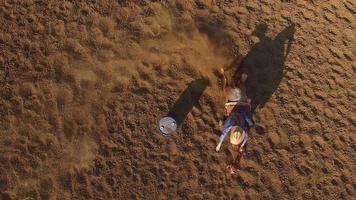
264,64
188,99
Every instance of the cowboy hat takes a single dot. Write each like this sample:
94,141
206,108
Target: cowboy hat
237,136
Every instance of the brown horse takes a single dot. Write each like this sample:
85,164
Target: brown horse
233,86
236,100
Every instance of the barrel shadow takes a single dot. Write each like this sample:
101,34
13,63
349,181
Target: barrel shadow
188,99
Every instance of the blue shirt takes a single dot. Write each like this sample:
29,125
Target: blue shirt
230,123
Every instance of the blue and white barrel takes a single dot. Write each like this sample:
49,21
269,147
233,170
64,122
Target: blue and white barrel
167,126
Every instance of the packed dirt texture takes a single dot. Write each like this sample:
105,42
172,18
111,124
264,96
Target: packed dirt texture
84,83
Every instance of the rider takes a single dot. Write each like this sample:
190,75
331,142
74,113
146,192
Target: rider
238,139
237,108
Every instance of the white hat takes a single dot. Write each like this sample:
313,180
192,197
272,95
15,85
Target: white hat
237,136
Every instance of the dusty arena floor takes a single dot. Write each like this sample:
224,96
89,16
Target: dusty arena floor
84,83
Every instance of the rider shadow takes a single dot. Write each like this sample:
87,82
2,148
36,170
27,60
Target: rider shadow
188,99
264,64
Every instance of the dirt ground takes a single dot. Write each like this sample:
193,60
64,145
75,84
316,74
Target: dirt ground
84,83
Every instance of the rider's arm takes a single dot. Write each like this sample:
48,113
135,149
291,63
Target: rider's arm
245,139
228,125
224,134
222,137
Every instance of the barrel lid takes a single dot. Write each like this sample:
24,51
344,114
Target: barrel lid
167,125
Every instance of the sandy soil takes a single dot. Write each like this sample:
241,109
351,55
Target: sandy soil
83,84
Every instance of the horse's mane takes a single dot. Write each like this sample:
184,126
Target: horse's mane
235,80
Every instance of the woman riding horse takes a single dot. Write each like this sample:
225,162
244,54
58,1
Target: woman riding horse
237,116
